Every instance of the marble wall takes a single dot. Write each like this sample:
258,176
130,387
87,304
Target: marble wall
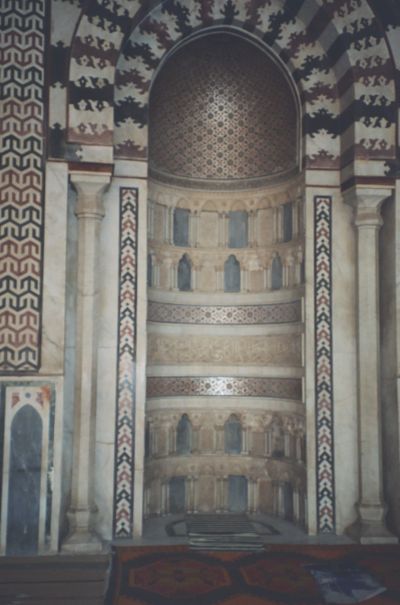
349,142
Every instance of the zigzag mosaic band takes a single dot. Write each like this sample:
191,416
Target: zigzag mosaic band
125,417
22,28
225,315
324,364
191,386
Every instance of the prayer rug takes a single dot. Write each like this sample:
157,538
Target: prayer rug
280,575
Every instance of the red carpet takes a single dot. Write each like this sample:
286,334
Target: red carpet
177,576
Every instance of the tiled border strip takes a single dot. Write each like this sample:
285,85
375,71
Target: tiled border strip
324,364
225,315
126,360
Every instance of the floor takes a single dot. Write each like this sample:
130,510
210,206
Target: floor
53,580
277,575
82,580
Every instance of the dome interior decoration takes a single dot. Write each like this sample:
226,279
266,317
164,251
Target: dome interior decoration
221,109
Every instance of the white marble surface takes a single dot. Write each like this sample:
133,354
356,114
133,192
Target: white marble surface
103,488
344,363
54,277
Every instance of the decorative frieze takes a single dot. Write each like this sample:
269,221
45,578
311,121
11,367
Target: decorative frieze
230,315
187,386
282,349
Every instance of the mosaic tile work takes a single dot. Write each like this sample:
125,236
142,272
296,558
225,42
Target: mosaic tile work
192,139
125,416
225,315
64,19
323,365
216,386
22,24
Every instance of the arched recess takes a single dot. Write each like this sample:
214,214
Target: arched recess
232,78
113,60
350,52
24,495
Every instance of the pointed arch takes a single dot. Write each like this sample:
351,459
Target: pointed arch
233,435
24,482
331,49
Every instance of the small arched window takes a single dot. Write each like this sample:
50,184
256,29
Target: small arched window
233,435
232,274
287,226
184,436
238,229
184,274
181,227
277,438
276,273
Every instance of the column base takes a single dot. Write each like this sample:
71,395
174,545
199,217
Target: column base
81,538
370,527
82,542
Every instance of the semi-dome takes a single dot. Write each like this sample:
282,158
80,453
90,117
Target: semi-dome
221,110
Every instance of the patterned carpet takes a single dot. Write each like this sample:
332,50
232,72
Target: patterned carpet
178,576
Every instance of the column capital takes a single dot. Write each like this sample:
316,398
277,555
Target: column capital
367,202
90,187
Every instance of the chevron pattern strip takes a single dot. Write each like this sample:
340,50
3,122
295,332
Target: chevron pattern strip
22,39
324,364
124,442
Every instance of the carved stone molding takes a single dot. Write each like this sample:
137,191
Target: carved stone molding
281,349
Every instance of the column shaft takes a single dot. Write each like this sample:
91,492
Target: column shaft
370,526
89,212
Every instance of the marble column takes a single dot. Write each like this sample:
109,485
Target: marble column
370,526
89,212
